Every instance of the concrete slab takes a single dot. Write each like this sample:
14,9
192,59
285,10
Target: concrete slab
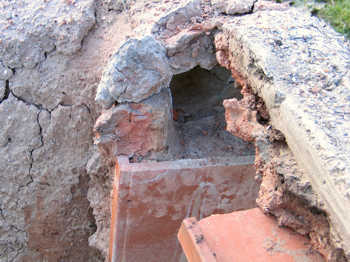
247,235
300,67
151,200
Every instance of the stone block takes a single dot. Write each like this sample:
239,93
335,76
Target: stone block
138,70
190,48
233,7
178,17
135,128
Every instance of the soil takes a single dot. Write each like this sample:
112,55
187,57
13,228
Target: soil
199,115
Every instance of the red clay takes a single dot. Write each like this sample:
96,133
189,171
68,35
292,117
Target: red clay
151,199
248,236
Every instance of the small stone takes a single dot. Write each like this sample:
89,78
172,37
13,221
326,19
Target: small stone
5,72
232,7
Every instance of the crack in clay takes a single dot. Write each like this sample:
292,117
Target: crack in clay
38,106
40,146
2,214
7,91
252,8
31,180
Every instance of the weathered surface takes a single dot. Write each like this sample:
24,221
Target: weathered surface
59,206
32,29
187,44
99,195
286,193
45,213
51,57
232,7
39,85
116,5
142,67
47,118
240,121
138,70
265,5
171,22
285,190
135,129
16,162
306,97
248,235
190,48
146,229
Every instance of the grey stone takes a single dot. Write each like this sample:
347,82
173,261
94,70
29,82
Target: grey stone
179,16
138,70
188,49
232,7
116,5
5,72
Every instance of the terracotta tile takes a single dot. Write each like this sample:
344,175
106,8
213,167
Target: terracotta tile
151,200
193,242
252,236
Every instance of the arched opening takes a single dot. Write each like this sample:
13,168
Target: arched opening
199,116
206,170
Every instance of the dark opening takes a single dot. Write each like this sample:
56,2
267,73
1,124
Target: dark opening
199,115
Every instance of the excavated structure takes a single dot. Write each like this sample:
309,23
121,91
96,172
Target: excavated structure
84,83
